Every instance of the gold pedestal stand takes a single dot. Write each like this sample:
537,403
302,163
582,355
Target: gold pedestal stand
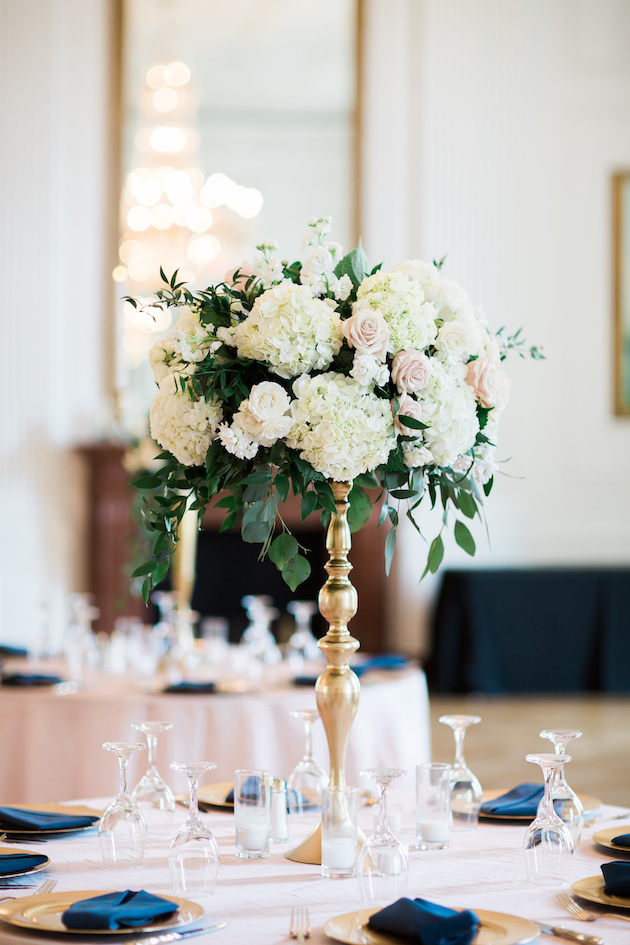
337,689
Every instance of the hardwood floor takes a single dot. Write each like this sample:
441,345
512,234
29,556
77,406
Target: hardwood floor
495,749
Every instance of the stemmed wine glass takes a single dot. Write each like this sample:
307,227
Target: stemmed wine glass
193,856
465,788
302,644
152,793
307,780
566,803
548,844
383,865
123,830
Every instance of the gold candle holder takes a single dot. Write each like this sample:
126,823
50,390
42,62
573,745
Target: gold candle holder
337,689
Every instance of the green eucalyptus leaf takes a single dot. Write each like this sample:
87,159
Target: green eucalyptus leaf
147,568
283,549
467,504
360,508
464,539
161,571
411,422
255,532
147,482
487,486
436,553
308,504
390,547
147,584
281,482
296,571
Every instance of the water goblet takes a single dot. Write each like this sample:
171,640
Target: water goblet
302,644
123,830
383,865
193,857
465,788
566,803
152,793
548,844
307,780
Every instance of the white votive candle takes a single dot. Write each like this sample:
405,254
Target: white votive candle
339,853
434,831
252,836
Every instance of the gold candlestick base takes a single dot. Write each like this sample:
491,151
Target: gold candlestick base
337,689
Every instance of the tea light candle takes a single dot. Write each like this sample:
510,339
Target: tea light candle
253,836
339,853
434,831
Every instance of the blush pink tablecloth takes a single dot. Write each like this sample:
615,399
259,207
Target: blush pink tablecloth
50,744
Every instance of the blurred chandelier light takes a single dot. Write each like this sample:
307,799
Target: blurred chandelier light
170,214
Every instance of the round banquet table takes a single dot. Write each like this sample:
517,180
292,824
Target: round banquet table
481,869
50,742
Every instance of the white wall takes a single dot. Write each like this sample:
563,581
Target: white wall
54,86
514,114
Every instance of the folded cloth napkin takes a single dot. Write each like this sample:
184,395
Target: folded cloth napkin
16,651
623,840
426,922
29,679
521,801
117,910
191,687
250,792
384,661
14,817
19,862
617,878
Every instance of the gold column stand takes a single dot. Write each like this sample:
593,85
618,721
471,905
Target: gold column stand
337,689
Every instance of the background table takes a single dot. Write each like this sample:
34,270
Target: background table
50,744
482,869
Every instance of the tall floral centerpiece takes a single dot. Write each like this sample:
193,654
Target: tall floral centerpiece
328,379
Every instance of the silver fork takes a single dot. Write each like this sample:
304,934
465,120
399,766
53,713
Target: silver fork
46,887
579,913
300,927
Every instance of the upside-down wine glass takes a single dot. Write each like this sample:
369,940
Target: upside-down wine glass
123,830
152,794
566,803
193,856
302,645
548,844
465,787
383,865
307,780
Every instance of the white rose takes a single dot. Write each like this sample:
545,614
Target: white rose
459,340
267,401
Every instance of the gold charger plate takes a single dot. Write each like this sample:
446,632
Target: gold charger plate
214,795
497,928
605,837
74,810
589,803
593,888
32,869
43,913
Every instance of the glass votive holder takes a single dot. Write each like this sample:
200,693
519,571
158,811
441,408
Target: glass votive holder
252,808
340,813
433,805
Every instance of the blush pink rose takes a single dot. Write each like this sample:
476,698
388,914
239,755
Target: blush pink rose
407,407
366,331
490,384
411,371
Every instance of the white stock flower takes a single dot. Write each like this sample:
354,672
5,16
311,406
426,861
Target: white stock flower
183,426
290,330
402,303
237,441
341,428
367,369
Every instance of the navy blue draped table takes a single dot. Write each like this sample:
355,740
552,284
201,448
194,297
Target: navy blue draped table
534,630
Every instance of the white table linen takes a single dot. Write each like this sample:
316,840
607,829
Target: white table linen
482,869
50,744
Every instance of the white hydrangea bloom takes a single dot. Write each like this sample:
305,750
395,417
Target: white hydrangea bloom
341,428
450,300
448,408
367,370
236,440
188,343
402,303
290,330
183,426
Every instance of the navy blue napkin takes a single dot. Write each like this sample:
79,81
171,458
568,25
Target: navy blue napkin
19,862
623,840
249,791
617,878
30,679
14,817
198,688
13,651
521,801
426,922
117,910
385,661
